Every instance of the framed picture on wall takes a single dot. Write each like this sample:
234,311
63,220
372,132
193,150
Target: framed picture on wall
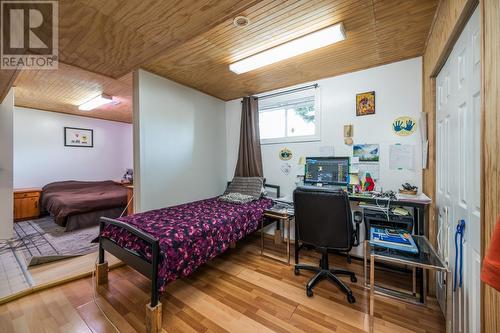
78,137
365,103
366,152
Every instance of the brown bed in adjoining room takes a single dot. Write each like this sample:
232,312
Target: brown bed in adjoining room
80,204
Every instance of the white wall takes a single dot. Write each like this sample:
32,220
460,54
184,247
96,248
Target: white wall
398,93
179,145
40,156
6,197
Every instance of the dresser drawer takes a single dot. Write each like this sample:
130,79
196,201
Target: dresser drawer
20,195
25,208
26,203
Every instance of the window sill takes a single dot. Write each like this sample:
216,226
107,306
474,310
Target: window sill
290,140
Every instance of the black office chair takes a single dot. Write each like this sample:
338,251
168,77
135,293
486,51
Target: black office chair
323,220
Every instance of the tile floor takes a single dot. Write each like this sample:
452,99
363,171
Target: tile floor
12,277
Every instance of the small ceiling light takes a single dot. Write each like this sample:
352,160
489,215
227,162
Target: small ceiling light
241,21
96,102
309,42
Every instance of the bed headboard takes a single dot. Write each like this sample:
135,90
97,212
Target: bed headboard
266,185
276,187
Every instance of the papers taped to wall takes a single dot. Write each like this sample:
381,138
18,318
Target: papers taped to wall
401,157
372,168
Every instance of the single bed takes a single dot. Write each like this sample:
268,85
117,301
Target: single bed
77,204
170,243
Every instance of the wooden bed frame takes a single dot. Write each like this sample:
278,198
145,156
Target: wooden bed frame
147,268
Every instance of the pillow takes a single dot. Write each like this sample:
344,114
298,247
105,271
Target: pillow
237,198
246,185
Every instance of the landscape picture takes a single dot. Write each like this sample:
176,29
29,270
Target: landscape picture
366,152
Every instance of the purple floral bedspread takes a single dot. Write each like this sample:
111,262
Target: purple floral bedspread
190,234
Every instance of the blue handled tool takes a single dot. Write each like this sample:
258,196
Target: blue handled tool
459,237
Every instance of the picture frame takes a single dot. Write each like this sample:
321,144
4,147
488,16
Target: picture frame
78,137
366,152
365,103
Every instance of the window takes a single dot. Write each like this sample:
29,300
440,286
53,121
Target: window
289,117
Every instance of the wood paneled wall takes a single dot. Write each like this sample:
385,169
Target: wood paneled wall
490,11
449,21
451,17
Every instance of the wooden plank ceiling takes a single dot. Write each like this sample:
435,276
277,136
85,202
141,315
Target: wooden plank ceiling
377,31
193,42
64,89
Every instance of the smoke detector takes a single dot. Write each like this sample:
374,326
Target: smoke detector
241,21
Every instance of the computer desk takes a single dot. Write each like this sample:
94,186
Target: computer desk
419,212
418,228
419,208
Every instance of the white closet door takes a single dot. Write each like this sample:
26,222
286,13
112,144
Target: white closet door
444,173
458,171
472,156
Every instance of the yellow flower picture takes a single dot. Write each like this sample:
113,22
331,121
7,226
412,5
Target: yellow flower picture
365,103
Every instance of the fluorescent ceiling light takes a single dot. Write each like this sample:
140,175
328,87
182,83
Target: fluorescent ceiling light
312,41
96,102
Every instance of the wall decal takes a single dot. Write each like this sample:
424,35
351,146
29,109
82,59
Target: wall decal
286,168
404,126
285,154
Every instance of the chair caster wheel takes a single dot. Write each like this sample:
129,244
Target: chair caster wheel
296,271
309,293
351,299
354,279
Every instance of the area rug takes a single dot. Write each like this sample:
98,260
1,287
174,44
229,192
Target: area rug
41,241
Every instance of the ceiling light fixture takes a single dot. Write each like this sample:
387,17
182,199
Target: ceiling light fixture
309,42
96,102
241,21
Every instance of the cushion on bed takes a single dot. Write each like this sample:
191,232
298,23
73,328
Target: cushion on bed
251,186
237,198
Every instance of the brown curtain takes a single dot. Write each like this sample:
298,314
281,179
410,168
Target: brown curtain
249,155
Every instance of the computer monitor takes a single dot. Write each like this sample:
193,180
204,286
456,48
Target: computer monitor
327,171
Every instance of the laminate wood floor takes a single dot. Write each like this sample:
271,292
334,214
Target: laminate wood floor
239,291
